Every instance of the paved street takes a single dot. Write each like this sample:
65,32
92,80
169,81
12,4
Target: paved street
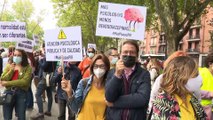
35,110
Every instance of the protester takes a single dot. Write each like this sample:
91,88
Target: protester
207,86
191,86
11,50
46,71
5,58
73,74
128,86
174,100
85,64
30,100
16,78
113,56
37,55
88,100
154,69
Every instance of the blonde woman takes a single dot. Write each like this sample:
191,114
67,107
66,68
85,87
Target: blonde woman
174,100
191,86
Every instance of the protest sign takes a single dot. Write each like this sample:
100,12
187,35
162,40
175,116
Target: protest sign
26,45
12,31
90,45
36,40
121,21
66,42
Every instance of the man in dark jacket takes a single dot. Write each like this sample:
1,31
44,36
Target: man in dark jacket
128,87
46,70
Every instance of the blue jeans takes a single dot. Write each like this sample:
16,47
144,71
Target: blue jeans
19,102
29,102
40,89
62,110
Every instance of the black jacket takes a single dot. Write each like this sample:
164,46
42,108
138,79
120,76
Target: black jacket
73,74
138,99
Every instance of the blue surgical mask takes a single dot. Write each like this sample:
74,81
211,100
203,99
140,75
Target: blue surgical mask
90,55
17,59
114,60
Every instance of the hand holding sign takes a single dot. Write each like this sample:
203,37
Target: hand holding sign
67,87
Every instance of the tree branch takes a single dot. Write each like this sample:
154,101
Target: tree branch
175,16
192,18
160,12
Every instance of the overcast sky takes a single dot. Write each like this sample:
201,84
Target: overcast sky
49,21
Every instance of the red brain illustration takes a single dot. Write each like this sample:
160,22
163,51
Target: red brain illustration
133,15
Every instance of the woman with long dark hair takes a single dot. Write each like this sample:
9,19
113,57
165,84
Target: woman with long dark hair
16,78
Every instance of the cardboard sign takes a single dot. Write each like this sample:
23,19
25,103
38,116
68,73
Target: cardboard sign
66,42
90,45
36,40
121,21
12,31
26,45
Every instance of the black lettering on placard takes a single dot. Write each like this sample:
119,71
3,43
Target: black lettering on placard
5,35
64,57
54,50
73,50
69,43
105,20
52,43
104,7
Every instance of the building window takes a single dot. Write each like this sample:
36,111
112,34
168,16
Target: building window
180,47
190,33
197,45
189,45
197,33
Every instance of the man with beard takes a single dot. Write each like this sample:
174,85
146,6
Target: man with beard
128,86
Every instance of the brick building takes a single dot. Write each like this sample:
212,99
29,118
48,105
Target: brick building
196,42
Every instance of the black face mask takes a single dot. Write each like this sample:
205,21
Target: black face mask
129,61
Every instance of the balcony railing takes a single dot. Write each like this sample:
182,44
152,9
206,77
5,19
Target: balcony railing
194,38
161,51
193,50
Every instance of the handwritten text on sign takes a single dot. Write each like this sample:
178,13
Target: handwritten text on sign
12,31
121,21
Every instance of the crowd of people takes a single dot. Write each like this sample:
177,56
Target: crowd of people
108,86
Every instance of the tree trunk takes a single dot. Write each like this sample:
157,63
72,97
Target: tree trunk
170,44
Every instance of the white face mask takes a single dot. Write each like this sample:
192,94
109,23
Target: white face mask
99,72
193,85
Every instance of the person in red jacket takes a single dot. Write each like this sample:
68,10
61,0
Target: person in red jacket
84,65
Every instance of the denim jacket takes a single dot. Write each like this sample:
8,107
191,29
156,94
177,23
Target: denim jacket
77,101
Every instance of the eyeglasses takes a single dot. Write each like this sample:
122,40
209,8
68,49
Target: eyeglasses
102,66
128,52
17,55
90,52
114,55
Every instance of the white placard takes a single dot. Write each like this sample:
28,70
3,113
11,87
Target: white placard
121,21
66,42
12,31
36,40
91,45
26,45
